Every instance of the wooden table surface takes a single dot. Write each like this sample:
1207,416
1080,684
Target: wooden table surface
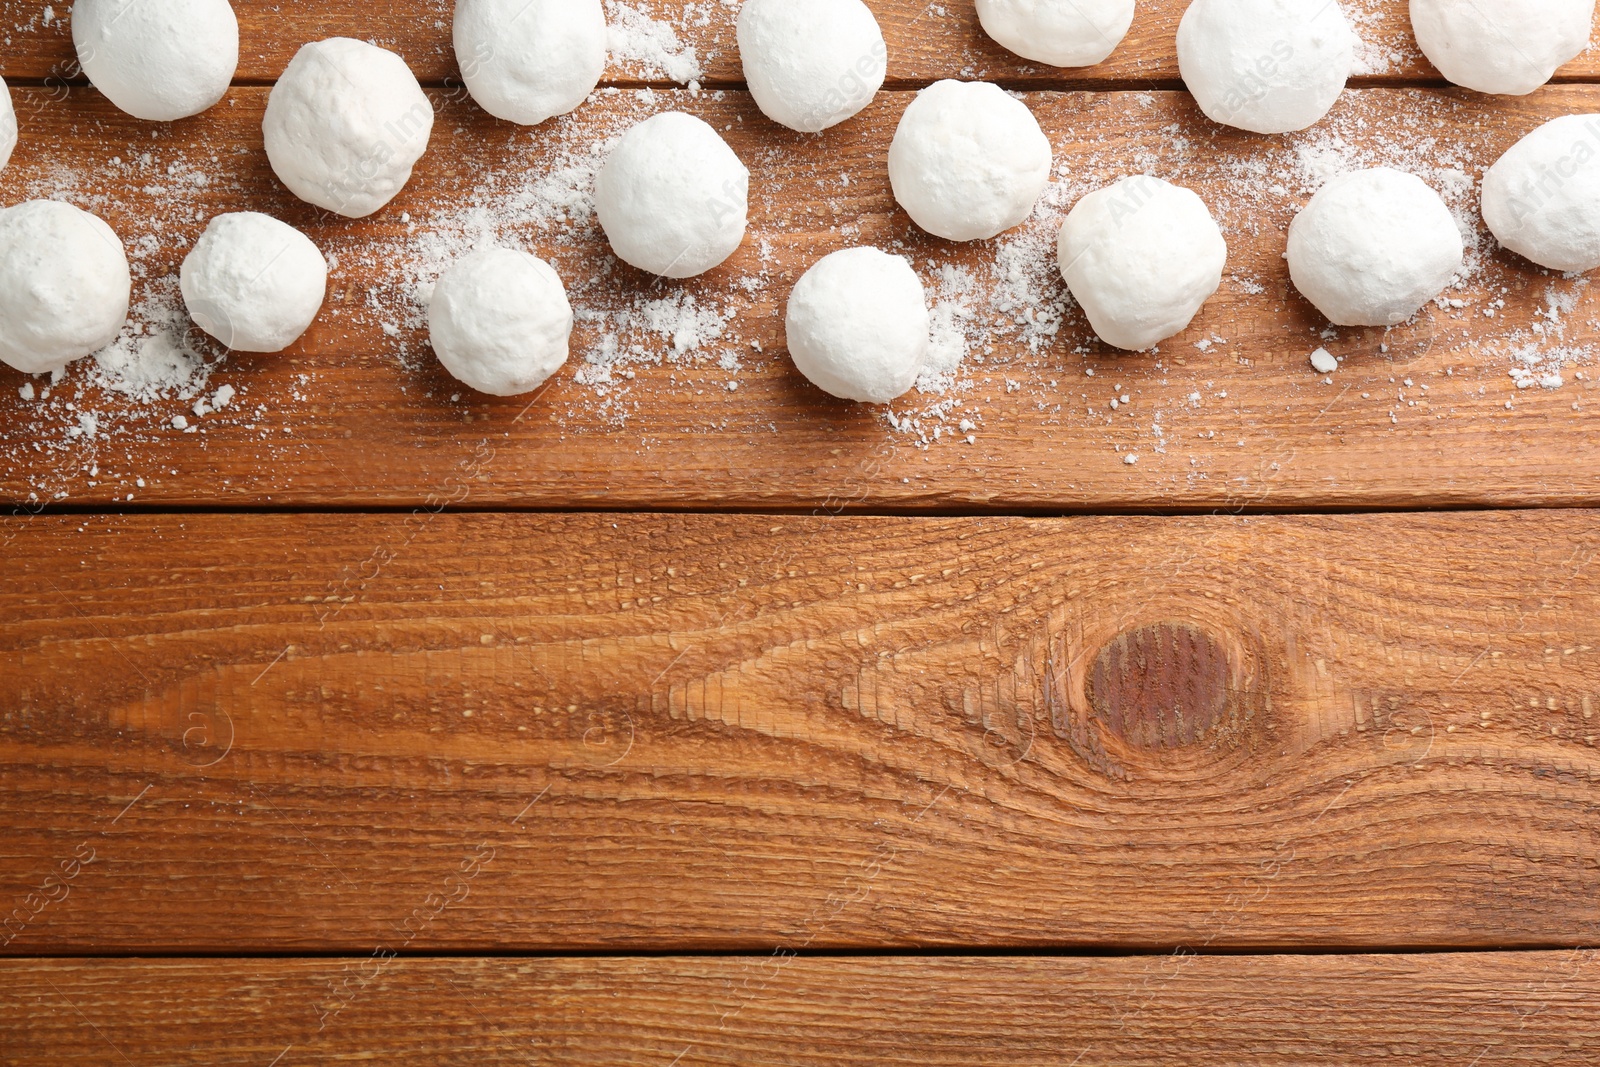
1081,708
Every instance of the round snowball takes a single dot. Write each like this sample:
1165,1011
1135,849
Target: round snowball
157,59
500,321
1268,66
968,160
1542,199
8,125
64,285
530,60
1373,247
811,64
254,283
1141,257
858,325
1060,33
672,197
345,125
1501,46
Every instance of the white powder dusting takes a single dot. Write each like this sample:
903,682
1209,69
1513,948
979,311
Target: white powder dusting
1540,354
650,46
1383,43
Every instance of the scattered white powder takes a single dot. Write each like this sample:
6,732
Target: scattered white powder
955,318
1383,40
667,329
1541,355
20,26
649,46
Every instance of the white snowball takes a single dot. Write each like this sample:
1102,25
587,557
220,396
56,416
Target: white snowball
345,125
1141,257
858,325
672,197
157,59
8,125
1373,247
1269,66
500,321
253,283
1060,33
811,64
1501,46
530,60
1542,199
64,285
968,160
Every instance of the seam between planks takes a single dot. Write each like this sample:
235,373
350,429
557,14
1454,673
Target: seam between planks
799,510
941,952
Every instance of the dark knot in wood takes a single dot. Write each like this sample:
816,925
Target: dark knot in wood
1161,686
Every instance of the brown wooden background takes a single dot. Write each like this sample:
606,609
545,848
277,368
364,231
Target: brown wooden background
695,724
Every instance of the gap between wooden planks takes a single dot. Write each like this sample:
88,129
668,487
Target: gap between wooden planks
927,41
1424,416
1432,1011
555,733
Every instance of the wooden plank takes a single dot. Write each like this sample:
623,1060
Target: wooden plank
451,732
926,41
682,396
1444,1010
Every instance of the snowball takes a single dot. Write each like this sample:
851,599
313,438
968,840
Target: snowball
1501,46
1542,199
64,285
858,325
1061,33
1141,257
345,125
968,160
529,60
8,125
672,197
1373,247
253,283
157,60
1268,66
811,64
500,321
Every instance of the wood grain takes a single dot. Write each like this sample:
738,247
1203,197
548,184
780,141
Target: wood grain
1450,1011
450,732
927,41
1444,411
